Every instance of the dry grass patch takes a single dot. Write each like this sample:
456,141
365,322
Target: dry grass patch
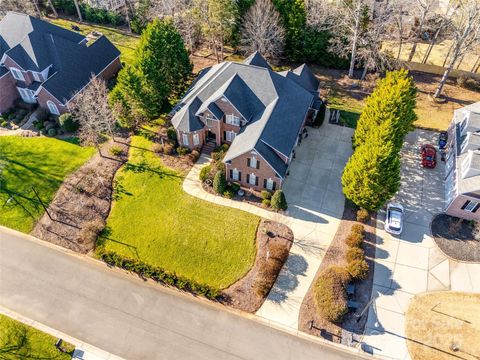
440,321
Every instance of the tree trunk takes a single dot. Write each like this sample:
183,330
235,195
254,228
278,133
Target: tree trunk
365,70
419,34
79,13
37,9
446,57
476,65
354,50
127,17
53,8
400,45
438,92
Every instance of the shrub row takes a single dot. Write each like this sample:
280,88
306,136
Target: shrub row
356,264
159,275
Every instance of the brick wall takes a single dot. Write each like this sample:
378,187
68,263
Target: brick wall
263,172
455,208
44,96
191,146
111,69
9,63
9,92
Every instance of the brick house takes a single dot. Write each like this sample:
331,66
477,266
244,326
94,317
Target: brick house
46,64
260,113
462,178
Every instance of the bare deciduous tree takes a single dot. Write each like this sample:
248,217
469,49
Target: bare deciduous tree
79,13
262,31
91,109
424,11
465,29
23,6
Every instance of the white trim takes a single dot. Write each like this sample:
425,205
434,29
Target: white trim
256,153
470,208
270,182
4,57
41,87
254,179
235,174
36,76
27,93
16,71
196,139
55,107
79,91
185,139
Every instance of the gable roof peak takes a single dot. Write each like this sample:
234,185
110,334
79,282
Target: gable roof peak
256,59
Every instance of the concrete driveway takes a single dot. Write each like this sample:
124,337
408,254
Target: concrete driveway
411,263
315,206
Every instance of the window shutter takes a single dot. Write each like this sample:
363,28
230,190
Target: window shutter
248,178
274,186
465,205
231,174
476,208
264,183
225,135
248,162
239,176
258,164
256,180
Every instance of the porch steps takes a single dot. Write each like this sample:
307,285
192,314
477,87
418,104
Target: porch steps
208,148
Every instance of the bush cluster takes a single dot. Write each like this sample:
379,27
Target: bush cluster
330,293
278,201
171,133
357,266
182,150
362,215
468,83
68,123
219,182
159,275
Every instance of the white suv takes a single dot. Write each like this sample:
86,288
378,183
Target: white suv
394,220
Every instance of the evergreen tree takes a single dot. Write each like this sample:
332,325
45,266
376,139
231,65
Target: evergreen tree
219,182
372,175
394,100
278,201
294,21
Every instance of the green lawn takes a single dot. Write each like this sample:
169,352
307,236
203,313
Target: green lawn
125,42
40,162
154,220
20,341
350,109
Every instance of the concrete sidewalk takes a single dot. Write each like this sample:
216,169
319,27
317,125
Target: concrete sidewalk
314,194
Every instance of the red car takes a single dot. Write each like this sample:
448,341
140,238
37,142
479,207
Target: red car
429,156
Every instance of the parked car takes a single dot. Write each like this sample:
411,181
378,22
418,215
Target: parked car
442,140
394,220
429,156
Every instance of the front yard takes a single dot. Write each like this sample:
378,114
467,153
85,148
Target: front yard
42,163
154,220
20,341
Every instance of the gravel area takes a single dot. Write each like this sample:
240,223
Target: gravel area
455,238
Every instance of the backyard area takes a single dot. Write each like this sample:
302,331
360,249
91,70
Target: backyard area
20,341
438,328
42,163
125,42
154,220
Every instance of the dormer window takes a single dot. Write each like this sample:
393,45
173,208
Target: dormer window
17,74
209,120
36,77
232,120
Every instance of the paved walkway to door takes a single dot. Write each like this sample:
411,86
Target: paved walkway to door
314,194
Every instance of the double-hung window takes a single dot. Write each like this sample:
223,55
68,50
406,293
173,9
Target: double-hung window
17,74
196,139
209,120
253,163
185,139
252,179
471,206
229,135
233,120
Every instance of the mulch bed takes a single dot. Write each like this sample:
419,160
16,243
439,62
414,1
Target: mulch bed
84,198
336,256
454,236
249,293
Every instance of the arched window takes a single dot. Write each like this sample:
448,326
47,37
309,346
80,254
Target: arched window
53,108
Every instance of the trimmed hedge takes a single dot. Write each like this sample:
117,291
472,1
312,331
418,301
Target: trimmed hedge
354,239
357,228
358,269
355,253
330,293
159,275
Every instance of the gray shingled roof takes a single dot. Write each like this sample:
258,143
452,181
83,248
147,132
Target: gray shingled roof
256,59
185,119
304,77
274,105
28,41
35,44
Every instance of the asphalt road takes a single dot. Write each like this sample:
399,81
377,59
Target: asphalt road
122,315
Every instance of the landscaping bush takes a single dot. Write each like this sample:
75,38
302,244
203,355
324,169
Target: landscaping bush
68,123
171,133
116,151
357,228
159,275
362,215
358,269
182,150
266,202
354,240
229,194
168,148
330,293
205,173
266,195
194,155
157,148
235,187
278,200
355,253
52,132
219,182
4,123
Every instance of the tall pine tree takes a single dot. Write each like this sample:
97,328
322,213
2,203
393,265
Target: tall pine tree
372,175
294,21
394,100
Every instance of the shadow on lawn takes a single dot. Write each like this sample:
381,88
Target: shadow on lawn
105,236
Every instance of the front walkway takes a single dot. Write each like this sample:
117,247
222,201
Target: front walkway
314,194
411,264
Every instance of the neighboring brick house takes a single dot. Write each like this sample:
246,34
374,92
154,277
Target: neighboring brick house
46,64
260,113
462,184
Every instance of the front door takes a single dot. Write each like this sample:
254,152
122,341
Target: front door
211,136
